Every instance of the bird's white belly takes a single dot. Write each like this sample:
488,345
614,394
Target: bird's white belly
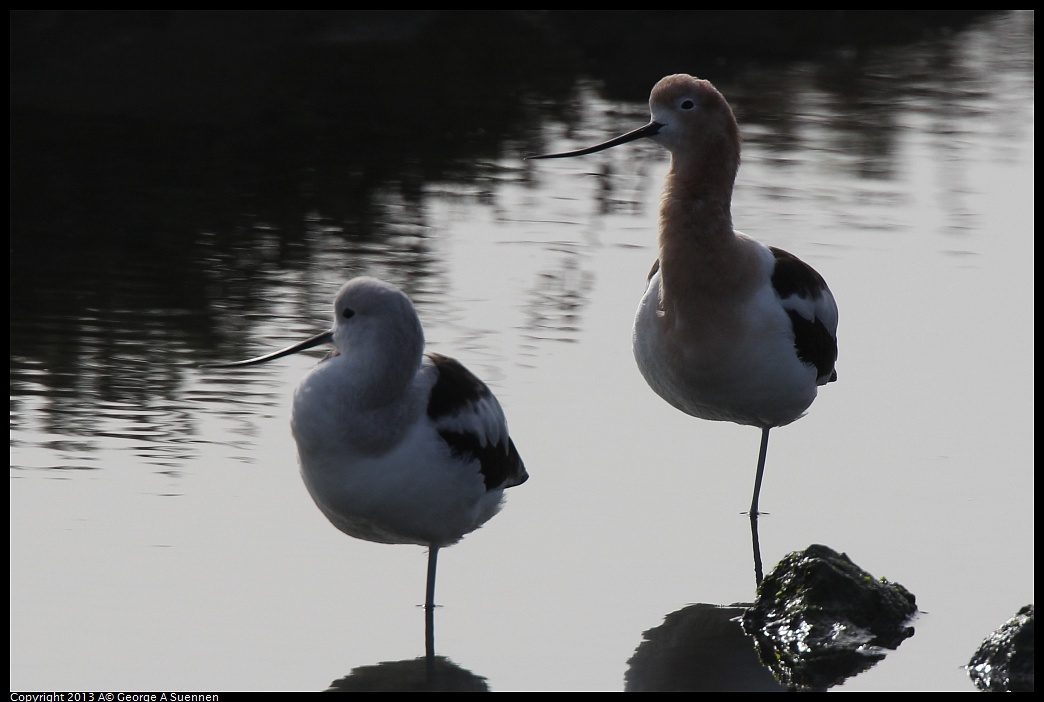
412,492
760,382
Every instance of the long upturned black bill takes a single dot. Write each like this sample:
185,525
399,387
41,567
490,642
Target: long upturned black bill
325,338
646,131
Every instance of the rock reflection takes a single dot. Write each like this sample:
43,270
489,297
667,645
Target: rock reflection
818,620
701,647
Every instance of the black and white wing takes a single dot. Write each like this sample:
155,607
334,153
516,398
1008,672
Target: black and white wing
812,311
469,418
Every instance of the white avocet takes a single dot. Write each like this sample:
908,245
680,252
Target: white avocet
397,446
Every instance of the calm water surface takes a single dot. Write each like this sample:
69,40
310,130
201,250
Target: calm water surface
160,534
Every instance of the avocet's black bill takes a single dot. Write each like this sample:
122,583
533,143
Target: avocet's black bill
325,338
646,131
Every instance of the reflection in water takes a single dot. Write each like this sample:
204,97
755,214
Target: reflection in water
759,570
699,648
417,675
150,220
142,242
817,621
557,301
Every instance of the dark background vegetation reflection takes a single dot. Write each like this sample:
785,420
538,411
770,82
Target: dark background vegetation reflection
165,165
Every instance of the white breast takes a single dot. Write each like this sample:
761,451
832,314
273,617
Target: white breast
753,378
384,474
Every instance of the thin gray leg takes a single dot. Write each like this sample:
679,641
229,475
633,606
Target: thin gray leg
761,472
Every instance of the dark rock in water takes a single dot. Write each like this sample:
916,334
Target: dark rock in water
819,619
700,648
1004,661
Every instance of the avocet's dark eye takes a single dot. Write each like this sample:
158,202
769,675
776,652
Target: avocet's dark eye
348,313
688,104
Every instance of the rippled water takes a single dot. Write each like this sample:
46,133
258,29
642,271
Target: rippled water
160,535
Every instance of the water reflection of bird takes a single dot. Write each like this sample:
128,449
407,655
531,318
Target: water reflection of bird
397,446
728,329
437,674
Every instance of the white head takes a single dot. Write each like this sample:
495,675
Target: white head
376,320
375,328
